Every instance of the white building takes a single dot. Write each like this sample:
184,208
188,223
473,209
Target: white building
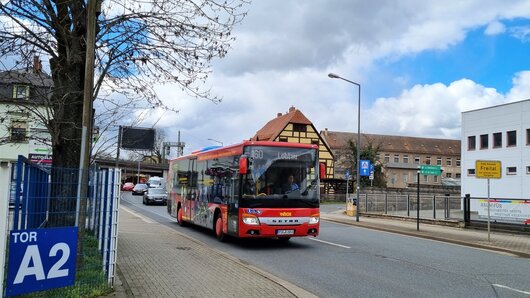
498,133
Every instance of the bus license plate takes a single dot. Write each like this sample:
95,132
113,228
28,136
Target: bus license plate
284,232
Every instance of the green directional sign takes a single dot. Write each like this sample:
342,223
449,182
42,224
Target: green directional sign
430,170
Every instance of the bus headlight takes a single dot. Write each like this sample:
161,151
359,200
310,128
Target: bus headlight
314,220
250,220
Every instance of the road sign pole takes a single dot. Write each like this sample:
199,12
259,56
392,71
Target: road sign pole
418,205
489,209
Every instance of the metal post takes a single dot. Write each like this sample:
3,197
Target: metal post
334,76
418,204
489,219
408,205
386,203
434,207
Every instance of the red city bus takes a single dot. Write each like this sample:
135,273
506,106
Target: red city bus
248,190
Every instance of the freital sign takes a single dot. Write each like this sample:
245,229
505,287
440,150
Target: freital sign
488,169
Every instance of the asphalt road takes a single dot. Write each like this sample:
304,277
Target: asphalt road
347,261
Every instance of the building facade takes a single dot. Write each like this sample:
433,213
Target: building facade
400,157
23,96
294,127
498,133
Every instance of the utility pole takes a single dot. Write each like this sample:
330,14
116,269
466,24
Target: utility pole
86,133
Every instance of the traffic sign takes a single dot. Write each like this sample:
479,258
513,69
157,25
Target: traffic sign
41,259
430,170
365,168
347,174
488,169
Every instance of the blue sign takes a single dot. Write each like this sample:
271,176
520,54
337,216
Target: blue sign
372,168
365,168
41,259
347,174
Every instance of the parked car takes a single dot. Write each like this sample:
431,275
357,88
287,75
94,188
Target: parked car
140,189
154,182
127,186
155,195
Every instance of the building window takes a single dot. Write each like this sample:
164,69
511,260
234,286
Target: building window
528,169
435,179
406,178
511,138
314,142
484,142
458,162
425,178
471,172
471,143
377,156
415,178
396,158
283,139
448,175
511,170
393,180
439,161
417,160
497,140
449,162
457,176
428,160
20,91
528,136
387,158
299,127
405,158
18,131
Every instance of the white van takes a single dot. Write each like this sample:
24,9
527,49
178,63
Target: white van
155,182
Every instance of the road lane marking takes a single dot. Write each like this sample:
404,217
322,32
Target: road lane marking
330,243
145,219
512,289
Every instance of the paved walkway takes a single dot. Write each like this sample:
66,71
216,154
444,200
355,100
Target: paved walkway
157,261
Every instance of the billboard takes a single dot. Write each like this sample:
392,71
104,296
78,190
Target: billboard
137,138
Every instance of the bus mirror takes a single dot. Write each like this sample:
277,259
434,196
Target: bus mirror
243,165
322,170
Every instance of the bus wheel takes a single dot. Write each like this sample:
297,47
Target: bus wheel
219,229
179,217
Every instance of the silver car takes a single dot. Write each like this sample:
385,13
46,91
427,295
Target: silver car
155,195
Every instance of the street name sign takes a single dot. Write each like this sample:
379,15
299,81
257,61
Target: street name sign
488,169
430,170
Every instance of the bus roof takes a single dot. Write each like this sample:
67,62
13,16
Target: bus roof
237,149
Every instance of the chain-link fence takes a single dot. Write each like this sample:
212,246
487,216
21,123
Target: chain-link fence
47,198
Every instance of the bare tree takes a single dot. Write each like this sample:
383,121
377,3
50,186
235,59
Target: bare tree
139,44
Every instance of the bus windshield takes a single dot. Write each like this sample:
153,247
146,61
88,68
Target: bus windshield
281,173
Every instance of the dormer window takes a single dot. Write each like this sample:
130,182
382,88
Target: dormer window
20,91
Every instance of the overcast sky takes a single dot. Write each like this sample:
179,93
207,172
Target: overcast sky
420,64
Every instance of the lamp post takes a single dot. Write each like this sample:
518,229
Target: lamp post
335,76
213,140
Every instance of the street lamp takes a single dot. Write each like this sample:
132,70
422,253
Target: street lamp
335,76
213,140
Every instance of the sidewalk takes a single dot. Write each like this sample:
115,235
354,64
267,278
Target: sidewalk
156,261
513,243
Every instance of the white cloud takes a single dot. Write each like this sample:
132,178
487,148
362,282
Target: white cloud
495,28
521,32
284,50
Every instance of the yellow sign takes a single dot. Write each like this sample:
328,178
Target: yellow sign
488,169
285,213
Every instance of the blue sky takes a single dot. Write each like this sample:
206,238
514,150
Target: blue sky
420,64
486,59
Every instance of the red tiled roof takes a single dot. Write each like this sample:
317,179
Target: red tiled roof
338,140
273,128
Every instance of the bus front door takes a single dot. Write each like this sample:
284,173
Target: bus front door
233,208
